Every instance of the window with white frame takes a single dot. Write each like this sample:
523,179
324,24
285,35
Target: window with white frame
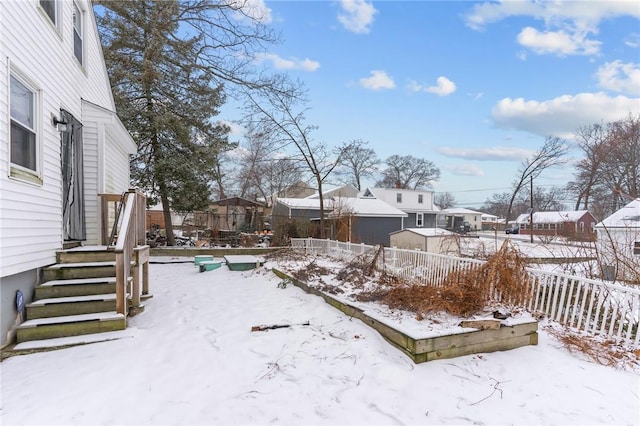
24,138
77,32
50,9
419,198
399,197
419,220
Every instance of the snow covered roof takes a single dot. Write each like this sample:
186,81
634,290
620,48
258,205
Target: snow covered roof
366,207
626,217
553,217
427,232
301,203
460,210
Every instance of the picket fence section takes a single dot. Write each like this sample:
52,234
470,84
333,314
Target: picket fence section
595,307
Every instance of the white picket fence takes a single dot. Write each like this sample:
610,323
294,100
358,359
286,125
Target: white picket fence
595,307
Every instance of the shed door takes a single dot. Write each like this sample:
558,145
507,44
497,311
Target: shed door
73,227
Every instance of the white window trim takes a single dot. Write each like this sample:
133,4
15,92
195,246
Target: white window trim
57,25
420,220
15,170
82,34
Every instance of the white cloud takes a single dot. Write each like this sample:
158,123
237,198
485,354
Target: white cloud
465,170
235,129
559,43
496,153
378,80
568,24
553,13
564,115
633,40
443,87
254,9
290,64
619,77
357,15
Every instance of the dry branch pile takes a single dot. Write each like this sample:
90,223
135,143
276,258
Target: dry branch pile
502,278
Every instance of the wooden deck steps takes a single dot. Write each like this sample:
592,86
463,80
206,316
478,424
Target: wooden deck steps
70,325
76,298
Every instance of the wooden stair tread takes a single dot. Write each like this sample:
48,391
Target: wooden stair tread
81,265
85,249
73,281
73,340
71,299
99,316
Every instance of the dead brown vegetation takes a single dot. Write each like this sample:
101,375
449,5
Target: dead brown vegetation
602,351
502,278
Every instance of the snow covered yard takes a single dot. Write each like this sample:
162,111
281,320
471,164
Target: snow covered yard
191,358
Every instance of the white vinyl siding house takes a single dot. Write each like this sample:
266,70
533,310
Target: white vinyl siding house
618,243
421,212
37,49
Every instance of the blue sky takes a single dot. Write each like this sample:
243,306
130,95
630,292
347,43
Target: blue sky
472,86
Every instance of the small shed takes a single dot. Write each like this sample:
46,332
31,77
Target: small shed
618,243
432,240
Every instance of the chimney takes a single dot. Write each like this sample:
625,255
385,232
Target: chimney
398,186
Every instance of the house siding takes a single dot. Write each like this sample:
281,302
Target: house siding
30,211
375,230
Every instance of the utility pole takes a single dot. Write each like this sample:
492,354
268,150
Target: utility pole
531,211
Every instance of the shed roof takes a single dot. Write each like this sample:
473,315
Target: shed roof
627,217
236,201
426,232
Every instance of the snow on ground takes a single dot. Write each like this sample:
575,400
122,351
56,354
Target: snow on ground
192,359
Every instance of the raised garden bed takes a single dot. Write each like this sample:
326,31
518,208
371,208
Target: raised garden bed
456,341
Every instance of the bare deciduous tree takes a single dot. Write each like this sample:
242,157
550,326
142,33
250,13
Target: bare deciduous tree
276,113
408,172
610,166
444,200
552,153
357,163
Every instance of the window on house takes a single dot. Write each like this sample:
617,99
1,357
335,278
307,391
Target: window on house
77,32
398,198
636,248
419,198
581,226
419,220
49,7
23,125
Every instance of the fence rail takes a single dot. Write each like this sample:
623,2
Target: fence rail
598,308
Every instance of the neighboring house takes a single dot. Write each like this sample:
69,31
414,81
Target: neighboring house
62,143
619,243
339,192
297,190
364,220
432,240
578,224
490,222
451,218
421,212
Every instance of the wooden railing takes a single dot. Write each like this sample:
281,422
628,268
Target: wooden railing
132,254
585,305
